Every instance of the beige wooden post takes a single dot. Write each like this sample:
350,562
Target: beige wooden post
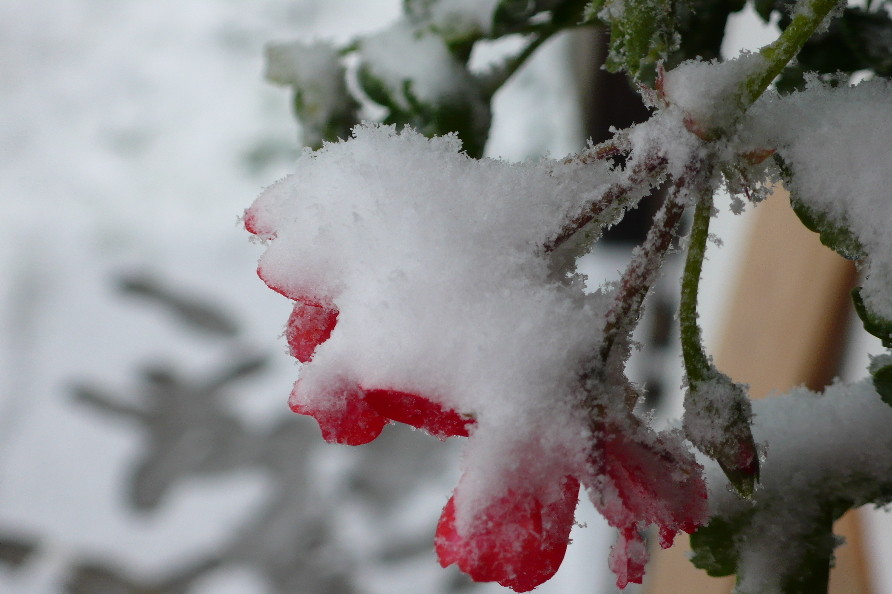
784,327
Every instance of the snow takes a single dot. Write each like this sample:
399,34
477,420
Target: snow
821,131
707,92
318,78
404,53
463,18
460,308
843,456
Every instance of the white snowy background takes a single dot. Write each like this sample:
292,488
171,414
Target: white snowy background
132,136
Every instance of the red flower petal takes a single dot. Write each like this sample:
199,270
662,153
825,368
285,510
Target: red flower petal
419,412
651,479
342,413
250,222
628,558
516,540
309,325
657,483
290,294
254,225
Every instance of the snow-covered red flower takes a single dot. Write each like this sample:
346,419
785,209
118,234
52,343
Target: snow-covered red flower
422,294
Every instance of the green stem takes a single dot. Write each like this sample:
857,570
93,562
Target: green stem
807,17
566,17
493,81
697,365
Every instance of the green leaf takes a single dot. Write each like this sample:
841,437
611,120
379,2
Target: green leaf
716,548
317,77
882,382
469,118
642,34
833,233
713,546
467,115
874,324
375,88
337,123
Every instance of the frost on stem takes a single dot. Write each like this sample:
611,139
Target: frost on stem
716,410
424,294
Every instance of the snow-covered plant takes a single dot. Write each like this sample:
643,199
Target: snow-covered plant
439,289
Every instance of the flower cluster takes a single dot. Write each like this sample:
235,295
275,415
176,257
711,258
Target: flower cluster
420,297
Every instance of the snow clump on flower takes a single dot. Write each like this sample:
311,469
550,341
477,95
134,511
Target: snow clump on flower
423,295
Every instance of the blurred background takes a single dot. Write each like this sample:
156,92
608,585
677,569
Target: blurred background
145,442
